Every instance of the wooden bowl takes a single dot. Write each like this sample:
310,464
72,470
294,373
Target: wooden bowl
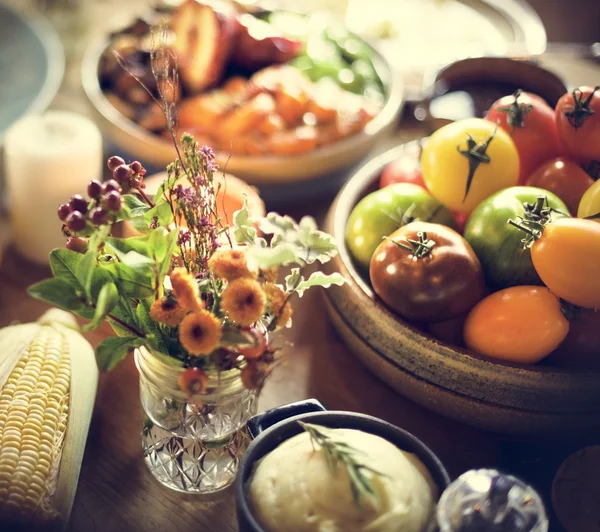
503,397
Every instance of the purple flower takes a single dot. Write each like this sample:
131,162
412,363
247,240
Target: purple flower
203,222
185,237
207,152
211,167
154,223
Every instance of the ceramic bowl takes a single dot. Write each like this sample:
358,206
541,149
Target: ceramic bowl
275,426
504,397
257,170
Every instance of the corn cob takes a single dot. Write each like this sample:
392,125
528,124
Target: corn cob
47,387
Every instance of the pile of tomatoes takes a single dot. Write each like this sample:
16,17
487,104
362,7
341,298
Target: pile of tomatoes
489,238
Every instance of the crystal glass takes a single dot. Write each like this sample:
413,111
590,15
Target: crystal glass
485,500
192,444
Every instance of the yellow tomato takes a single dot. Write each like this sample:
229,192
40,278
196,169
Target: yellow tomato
519,324
589,206
467,161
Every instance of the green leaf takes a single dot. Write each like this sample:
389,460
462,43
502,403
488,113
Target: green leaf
158,243
107,300
140,224
134,259
125,313
64,263
165,186
232,336
139,244
150,327
292,279
162,211
275,224
137,283
308,224
320,279
244,230
317,246
134,206
85,272
59,292
112,350
165,265
265,258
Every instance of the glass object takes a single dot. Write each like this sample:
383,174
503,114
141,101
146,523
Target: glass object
192,444
485,500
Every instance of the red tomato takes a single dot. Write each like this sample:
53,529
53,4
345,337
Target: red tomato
581,347
405,169
461,220
565,178
529,120
578,123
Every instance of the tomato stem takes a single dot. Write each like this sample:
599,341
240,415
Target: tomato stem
476,155
418,248
580,111
515,112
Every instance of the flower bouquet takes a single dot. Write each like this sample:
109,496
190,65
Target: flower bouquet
195,296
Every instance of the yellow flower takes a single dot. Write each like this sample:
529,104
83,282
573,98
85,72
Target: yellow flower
185,289
168,311
229,264
244,301
284,315
275,296
199,333
270,275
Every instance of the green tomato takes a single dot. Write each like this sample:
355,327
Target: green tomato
499,245
382,212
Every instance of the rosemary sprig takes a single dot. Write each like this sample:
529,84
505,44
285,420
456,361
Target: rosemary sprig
336,453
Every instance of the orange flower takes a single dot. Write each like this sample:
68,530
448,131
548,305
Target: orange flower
199,333
229,264
270,275
185,289
275,297
285,314
168,311
244,301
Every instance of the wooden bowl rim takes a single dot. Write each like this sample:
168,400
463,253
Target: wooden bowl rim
347,198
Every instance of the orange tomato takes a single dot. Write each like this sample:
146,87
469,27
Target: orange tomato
566,257
519,324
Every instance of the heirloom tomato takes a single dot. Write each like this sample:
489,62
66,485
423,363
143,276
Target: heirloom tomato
589,206
499,246
566,254
520,324
578,123
427,272
405,169
581,347
563,177
466,161
383,211
529,120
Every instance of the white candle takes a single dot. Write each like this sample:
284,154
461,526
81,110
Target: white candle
48,158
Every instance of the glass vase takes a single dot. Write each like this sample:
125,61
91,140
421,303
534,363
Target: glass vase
192,444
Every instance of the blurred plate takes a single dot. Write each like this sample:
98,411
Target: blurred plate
32,65
279,178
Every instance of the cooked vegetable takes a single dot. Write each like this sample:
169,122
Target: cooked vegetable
467,161
566,253
520,324
427,272
499,246
380,213
48,379
529,121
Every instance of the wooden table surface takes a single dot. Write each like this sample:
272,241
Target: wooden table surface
117,493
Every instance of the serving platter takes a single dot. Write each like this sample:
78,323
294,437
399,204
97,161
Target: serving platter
315,171
504,397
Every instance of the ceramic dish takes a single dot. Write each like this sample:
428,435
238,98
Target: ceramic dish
473,389
258,170
275,426
32,64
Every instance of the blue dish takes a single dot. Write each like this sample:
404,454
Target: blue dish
32,65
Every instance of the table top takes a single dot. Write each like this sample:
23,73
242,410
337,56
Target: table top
117,493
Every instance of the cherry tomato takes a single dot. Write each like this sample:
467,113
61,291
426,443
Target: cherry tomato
461,220
466,161
449,331
251,352
589,206
578,123
405,169
563,177
566,254
581,347
519,324
529,120
499,246
427,272
383,211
